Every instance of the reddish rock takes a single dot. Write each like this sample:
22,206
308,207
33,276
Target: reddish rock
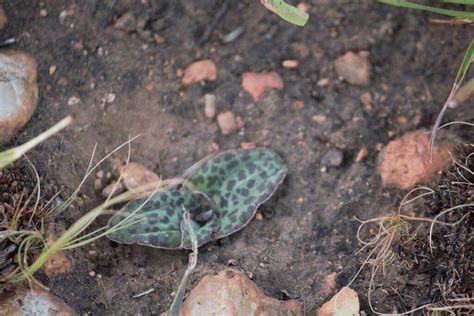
199,71
135,175
3,18
344,303
329,283
256,83
354,68
57,263
404,162
33,302
227,122
232,293
18,91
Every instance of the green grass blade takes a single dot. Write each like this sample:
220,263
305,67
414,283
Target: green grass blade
467,2
9,156
287,12
465,64
417,6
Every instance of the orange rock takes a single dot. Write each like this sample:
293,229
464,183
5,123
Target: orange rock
354,68
198,71
227,122
405,161
247,145
135,175
18,91
256,83
57,263
232,293
33,302
3,18
344,303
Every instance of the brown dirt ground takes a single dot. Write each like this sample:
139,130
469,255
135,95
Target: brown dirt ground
309,230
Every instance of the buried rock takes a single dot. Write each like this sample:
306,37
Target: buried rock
354,68
33,302
232,293
18,91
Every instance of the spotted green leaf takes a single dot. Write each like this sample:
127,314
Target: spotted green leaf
237,182
158,223
227,189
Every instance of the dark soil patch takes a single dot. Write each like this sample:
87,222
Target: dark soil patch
309,233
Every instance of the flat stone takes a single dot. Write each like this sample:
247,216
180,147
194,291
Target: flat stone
404,162
33,302
232,293
344,303
18,92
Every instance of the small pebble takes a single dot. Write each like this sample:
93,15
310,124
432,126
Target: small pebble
73,100
298,105
354,68
209,105
322,82
43,12
290,63
110,98
92,274
109,189
247,145
332,158
127,22
97,185
52,70
258,216
226,122
319,118
362,154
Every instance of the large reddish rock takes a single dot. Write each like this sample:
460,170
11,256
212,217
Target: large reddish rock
404,162
18,91
344,303
256,83
354,68
199,71
231,293
33,302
